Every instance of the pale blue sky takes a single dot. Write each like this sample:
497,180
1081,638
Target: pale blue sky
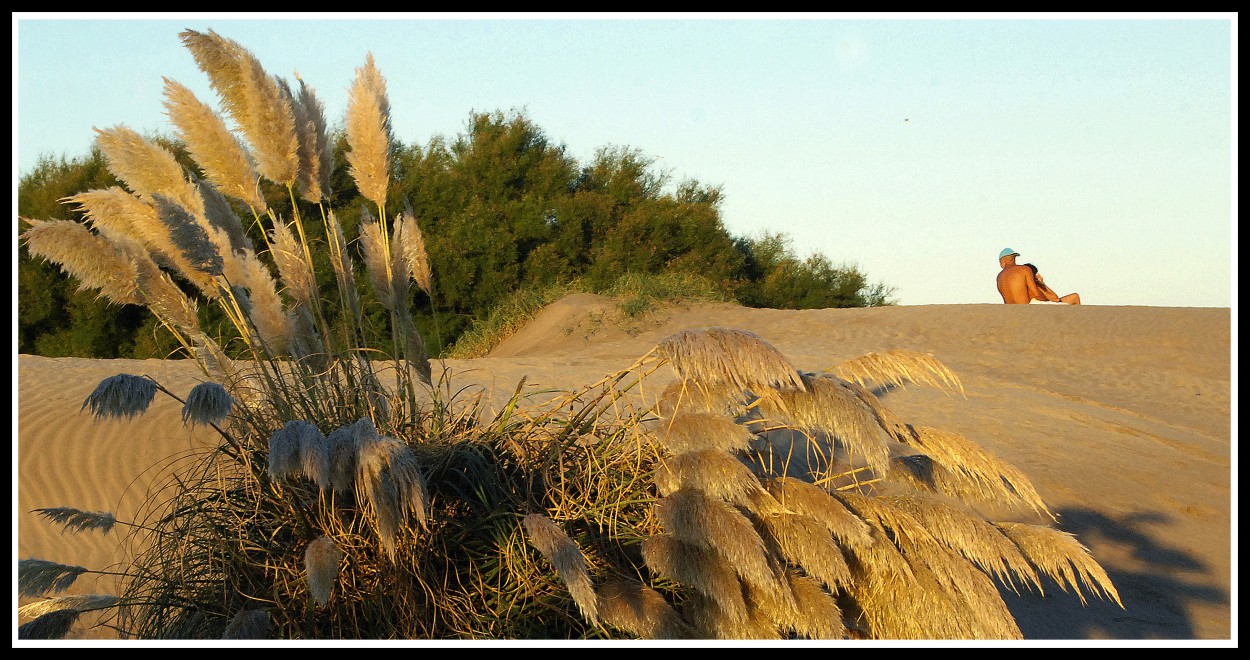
1104,150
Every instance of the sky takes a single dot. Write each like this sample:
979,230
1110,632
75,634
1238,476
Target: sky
913,147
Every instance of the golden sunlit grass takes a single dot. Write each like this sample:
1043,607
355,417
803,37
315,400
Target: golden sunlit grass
360,495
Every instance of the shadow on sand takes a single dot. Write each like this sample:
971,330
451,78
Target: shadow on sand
1155,599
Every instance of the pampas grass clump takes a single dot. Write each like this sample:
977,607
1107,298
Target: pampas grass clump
357,494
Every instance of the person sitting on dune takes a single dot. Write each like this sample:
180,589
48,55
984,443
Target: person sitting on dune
1049,294
1019,284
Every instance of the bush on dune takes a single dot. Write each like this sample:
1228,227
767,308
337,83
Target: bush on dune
361,495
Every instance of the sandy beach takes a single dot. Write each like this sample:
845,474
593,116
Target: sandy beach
1121,416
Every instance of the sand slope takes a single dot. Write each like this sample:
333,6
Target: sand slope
1121,416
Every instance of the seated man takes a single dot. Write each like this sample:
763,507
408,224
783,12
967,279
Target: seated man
1020,285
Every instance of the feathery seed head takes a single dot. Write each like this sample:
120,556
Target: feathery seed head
389,477
76,602
74,520
93,259
342,447
412,244
640,611
36,577
121,396
740,358
219,215
549,539
369,133
248,624
144,166
314,457
53,625
321,567
284,448
188,236
207,403
217,151
315,158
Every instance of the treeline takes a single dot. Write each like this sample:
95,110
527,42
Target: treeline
502,209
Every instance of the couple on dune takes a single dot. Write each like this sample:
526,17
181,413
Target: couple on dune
1020,284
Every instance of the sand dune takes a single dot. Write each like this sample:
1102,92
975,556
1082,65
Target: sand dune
1121,416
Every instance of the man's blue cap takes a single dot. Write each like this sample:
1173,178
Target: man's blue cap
1008,252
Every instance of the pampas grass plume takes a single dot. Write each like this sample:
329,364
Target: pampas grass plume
78,603
53,625
121,396
715,356
368,133
315,157
285,446
74,520
36,577
248,624
640,611
388,476
191,239
321,566
92,259
222,157
549,539
207,403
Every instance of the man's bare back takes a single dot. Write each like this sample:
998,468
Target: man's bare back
1016,285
